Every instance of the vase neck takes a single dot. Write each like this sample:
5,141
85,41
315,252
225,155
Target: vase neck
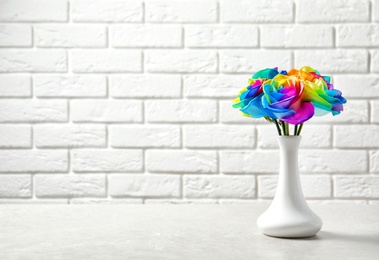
289,143
289,147
289,186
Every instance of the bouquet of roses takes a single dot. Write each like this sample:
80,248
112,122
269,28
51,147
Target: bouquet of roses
291,97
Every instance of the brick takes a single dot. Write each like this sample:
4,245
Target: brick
181,111
219,186
256,11
375,111
70,86
325,11
63,185
106,111
15,86
69,136
106,61
106,160
357,35
33,61
144,136
15,136
145,86
316,36
33,161
333,61
15,186
217,136
181,161
242,201
249,161
368,85
356,136
249,61
313,186
337,202
106,201
33,11
15,35
355,111
185,11
228,114
144,185
319,136
34,201
148,35
375,61
375,10
333,161
374,161
356,186
221,36
213,86
180,201
106,10
70,35
200,61
33,110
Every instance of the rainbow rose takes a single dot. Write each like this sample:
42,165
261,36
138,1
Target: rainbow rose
291,98
249,98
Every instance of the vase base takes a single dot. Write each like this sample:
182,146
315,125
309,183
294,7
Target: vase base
287,226
291,237
291,234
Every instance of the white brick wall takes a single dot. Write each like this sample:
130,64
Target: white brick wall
129,101
70,86
15,86
221,36
33,60
184,11
15,35
70,36
313,36
148,35
232,61
175,61
106,10
34,11
106,61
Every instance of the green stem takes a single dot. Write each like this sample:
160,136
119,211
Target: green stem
285,128
277,127
300,128
295,130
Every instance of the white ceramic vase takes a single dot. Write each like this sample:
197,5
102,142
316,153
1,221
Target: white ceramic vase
289,214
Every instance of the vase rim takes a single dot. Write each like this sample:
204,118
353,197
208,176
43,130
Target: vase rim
289,136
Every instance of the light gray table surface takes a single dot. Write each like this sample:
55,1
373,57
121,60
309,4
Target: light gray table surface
178,232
